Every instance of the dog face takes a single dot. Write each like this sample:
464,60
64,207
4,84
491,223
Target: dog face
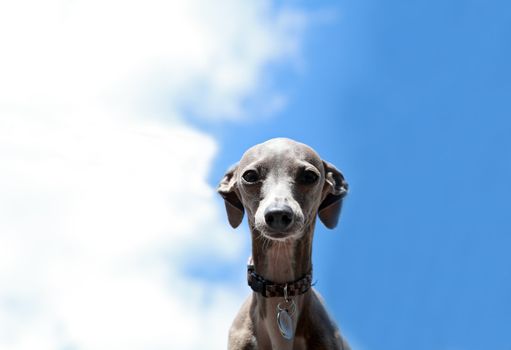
283,184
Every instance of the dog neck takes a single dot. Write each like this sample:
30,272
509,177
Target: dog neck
280,262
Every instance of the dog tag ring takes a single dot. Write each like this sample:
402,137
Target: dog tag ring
285,324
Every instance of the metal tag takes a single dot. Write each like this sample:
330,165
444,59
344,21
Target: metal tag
285,324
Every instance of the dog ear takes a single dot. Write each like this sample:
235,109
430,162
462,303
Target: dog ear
336,188
233,205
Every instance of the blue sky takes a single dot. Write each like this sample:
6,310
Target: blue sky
113,138
412,100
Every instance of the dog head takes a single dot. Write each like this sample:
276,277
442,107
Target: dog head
283,184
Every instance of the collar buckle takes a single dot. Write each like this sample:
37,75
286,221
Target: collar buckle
255,282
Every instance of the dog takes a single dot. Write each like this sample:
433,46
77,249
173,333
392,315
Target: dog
282,185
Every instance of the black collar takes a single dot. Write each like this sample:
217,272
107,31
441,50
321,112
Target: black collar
270,289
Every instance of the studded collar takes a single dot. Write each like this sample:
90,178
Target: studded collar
269,289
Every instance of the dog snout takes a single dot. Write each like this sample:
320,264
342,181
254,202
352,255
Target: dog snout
279,218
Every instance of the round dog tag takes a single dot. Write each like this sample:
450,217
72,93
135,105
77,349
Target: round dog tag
285,324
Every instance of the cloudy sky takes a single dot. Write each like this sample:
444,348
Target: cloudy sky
104,195
118,118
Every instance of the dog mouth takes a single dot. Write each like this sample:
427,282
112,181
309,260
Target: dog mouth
280,235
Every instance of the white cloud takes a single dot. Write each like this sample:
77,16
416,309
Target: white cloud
103,184
200,55
95,220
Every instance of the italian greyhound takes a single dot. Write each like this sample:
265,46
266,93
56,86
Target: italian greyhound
282,185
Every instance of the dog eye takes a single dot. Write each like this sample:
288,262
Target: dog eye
250,176
308,177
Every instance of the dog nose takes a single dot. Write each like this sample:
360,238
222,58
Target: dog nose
279,217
